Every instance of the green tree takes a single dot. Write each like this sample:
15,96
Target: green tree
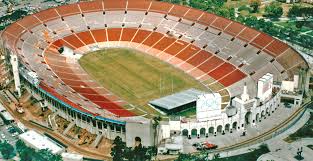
213,5
139,153
29,154
255,4
274,10
45,154
185,157
24,152
117,151
199,4
173,1
294,11
128,153
7,150
251,21
298,11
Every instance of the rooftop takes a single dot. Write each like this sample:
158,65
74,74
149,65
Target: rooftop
177,99
38,141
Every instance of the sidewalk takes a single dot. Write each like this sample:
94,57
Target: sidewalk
283,151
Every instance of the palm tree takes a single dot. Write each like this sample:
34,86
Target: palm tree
156,122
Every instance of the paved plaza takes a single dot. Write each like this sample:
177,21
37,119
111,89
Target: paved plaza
276,118
283,151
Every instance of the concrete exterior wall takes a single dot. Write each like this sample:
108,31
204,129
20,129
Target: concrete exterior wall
107,133
142,130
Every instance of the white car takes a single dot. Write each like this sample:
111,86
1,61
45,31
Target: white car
8,127
2,136
14,134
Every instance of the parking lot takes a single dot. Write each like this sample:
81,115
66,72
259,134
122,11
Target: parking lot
9,133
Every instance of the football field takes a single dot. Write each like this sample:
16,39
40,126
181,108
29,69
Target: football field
136,77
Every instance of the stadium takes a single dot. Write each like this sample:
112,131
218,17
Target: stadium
113,66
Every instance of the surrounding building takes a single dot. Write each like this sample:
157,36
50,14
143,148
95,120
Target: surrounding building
37,141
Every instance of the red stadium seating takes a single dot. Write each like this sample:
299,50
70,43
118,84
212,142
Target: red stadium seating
67,10
62,98
140,36
262,40
15,30
58,43
128,34
47,15
153,38
29,22
164,43
65,73
138,5
73,41
234,28
56,62
207,19
220,23
54,55
276,48
115,5
160,7
221,71
248,34
210,64
99,35
176,47
193,15
108,105
86,37
232,78
114,34
114,108
91,6
179,11
199,58
78,82
60,69
188,52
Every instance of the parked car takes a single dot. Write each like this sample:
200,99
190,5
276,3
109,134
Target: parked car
204,146
208,146
2,136
14,134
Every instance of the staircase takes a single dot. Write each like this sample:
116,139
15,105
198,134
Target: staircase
68,128
97,140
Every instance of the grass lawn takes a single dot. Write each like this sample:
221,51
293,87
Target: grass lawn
304,132
136,77
237,4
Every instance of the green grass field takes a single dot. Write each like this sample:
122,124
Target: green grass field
136,77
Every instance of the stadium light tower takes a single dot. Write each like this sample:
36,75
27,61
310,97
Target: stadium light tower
16,76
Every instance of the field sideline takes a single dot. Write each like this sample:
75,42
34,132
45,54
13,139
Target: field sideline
136,77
